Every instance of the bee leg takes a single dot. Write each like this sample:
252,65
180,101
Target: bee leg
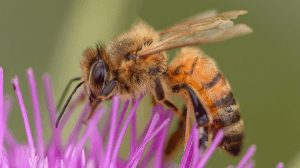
203,138
94,104
187,126
62,97
176,138
183,129
106,91
200,113
160,97
108,88
153,100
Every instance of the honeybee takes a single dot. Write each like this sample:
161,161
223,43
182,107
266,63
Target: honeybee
136,63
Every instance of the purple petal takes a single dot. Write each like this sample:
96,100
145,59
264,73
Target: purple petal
54,148
187,152
69,111
49,99
79,146
159,154
156,149
37,113
83,158
74,133
17,89
123,131
150,134
158,145
133,139
9,139
250,164
153,134
115,106
280,165
106,126
217,140
150,129
2,129
196,150
97,149
122,115
247,156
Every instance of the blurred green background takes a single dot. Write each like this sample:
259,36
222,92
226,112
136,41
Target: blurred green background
263,67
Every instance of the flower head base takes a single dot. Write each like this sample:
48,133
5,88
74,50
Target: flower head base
91,146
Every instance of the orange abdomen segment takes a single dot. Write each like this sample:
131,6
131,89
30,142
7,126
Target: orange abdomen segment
200,72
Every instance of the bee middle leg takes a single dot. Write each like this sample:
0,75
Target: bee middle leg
160,97
177,136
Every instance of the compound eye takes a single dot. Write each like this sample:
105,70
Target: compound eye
99,73
130,56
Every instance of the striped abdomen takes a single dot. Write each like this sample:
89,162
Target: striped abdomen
224,113
200,77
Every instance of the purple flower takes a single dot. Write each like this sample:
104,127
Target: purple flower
93,146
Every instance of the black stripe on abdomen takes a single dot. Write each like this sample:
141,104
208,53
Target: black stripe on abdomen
213,82
233,143
225,101
233,138
230,138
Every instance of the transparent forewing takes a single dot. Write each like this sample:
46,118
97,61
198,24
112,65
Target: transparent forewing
199,31
189,21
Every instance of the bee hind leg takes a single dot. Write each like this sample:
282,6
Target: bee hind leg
176,138
200,113
183,128
203,138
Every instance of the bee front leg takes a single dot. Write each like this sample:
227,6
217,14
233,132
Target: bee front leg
108,88
106,91
94,104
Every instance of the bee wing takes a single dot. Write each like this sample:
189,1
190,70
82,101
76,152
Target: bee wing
199,31
188,21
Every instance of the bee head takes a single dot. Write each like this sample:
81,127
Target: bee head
95,70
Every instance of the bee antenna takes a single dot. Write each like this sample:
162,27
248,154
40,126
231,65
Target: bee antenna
62,97
66,104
